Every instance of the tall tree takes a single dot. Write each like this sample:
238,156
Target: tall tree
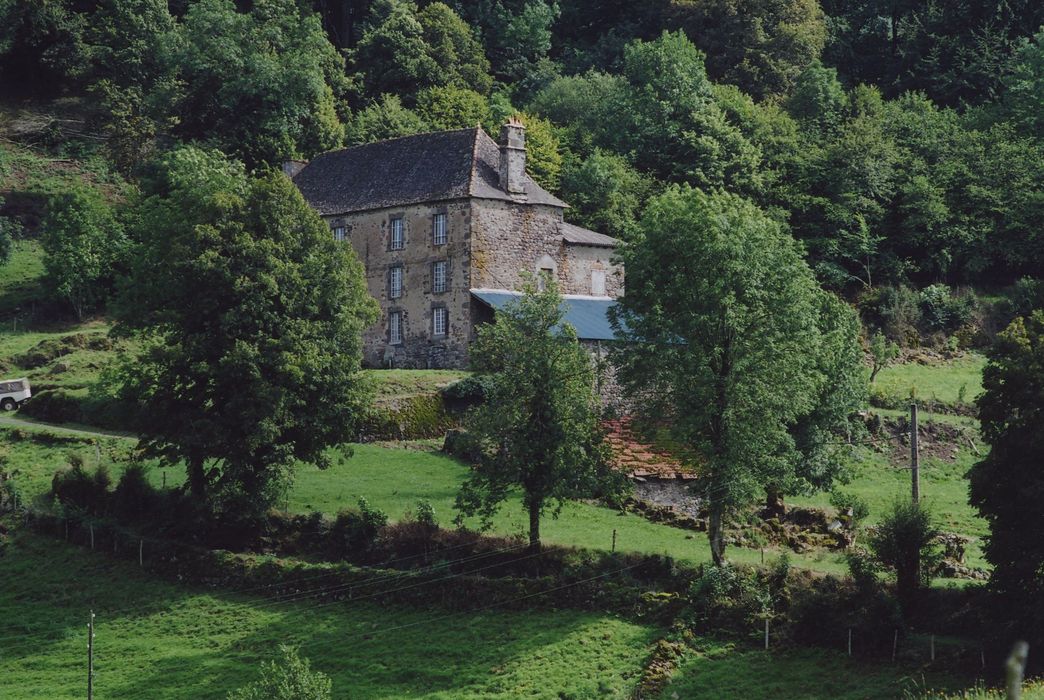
759,45
537,427
1007,485
250,316
723,326
263,86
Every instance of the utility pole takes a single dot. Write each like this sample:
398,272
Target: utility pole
90,657
915,467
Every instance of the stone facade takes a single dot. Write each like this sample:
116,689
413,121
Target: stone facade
495,235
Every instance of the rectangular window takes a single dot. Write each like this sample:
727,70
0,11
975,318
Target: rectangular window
545,276
439,320
395,327
398,240
439,229
338,234
395,282
598,283
438,276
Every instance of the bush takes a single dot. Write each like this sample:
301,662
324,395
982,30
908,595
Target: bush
355,530
470,390
75,487
426,515
851,509
905,543
729,597
134,499
290,678
942,310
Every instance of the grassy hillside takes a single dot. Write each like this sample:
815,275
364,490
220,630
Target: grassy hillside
156,640
948,382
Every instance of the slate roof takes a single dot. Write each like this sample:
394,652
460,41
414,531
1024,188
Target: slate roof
582,236
410,170
588,315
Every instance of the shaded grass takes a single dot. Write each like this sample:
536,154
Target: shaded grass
158,640
404,383
21,281
719,670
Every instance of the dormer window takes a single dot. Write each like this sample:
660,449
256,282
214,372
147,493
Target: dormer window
438,229
397,239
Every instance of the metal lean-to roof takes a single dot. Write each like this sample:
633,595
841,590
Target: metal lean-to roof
588,315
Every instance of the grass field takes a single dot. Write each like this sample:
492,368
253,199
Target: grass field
162,641
21,281
939,382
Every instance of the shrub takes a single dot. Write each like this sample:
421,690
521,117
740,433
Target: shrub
470,390
78,488
290,678
897,310
426,515
905,543
942,310
850,508
728,596
355,530
134,499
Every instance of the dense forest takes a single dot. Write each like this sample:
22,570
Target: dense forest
901,142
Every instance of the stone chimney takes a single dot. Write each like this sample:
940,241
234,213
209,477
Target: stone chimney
513,156
292,167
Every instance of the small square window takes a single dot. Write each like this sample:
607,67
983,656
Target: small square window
395,327
398,240
439,229
439,320
395,282
438,276
338,234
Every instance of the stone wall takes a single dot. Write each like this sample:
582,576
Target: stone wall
510,239
580,264
369,233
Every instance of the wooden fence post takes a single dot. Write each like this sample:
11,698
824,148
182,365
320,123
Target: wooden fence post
1014,670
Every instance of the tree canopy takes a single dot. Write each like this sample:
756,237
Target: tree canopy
730,346
251,317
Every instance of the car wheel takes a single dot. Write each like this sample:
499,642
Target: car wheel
8,404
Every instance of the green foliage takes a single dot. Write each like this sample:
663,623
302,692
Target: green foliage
819,100
516,33
10,229
385,118
605,193
77,488
731,343
543,157
355,530
134,500
851,507
84,249
538,426
263,85
1005,485
251,316
289,678
882,353
905,543
453,108
761,46
425,514
404,50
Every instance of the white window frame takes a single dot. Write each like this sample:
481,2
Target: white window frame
395,282
439,317
439,276
397,235
339,234
439,234
395,327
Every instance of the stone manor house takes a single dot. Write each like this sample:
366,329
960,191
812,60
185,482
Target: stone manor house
447,224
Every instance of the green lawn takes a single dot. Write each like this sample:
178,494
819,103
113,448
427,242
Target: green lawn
940,382
21,281
404,383
161,641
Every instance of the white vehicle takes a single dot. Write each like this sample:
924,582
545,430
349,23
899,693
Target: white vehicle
13,393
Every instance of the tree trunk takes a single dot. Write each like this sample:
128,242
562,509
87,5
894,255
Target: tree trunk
534,526
716,533
197,479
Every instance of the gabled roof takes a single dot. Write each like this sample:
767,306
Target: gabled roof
576,235
588,315
410,170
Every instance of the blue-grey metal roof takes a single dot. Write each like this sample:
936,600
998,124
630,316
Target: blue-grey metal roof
588,315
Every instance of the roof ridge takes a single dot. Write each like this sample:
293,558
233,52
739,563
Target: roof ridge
397,138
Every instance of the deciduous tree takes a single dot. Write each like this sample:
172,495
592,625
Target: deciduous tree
537,427
250,315
723,327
